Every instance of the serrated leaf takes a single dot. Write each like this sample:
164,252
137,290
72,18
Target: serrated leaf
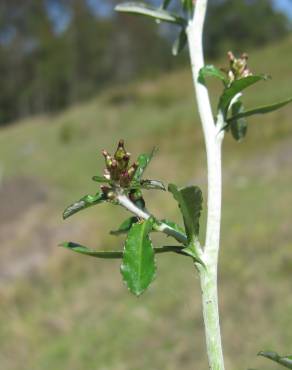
90,252
285,361
143,161
101,179
190,202
236,87
83,203
125,226
138,268
180,42
152,184
149,11
238,126
211,71
259,110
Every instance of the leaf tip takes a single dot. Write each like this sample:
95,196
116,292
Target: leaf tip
118,8
64,245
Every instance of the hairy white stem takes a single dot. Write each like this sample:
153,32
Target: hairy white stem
213,135
125,202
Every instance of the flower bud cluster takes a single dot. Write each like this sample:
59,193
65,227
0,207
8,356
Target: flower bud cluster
117,168
237,67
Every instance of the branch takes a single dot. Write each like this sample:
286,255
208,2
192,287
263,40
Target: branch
125,202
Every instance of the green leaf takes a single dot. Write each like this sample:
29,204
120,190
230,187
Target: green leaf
143,161
173,225
192,252
78,248
259,110
89,252
236,87
190,202
180,42
238,126
286,361
211,71
84,202
188,5
138,268
150,11
169,248
165,4
101,179
152,184
125,226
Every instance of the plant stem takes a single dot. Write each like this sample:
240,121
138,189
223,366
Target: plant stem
213,136
125,202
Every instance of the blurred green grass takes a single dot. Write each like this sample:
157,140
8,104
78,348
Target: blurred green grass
73,312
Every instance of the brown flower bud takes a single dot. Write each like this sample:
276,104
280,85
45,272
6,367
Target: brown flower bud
105,189
108,192
111,195
124,162
238,67
106,174
230,56
125,179
120,152
114,170
108,159
132,170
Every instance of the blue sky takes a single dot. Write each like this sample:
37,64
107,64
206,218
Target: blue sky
285,5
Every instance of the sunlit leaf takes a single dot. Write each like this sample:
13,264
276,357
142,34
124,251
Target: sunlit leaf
211,71
173,225
259,110
150,11
143,161
83,203
125,226
238,125
190,202
285,361
90,252
138,268
152,184
236,87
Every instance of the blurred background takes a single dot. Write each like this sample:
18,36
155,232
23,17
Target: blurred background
75,78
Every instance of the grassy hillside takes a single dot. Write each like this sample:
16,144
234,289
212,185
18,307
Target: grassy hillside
63,311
